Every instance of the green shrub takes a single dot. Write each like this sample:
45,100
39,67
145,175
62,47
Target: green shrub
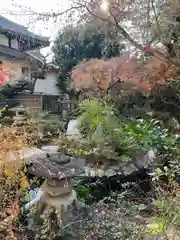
166,218
50,123
104,136
95,112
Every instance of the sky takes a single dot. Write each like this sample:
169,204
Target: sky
11,10
40,6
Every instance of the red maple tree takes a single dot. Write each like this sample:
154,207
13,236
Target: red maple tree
5,76
98,75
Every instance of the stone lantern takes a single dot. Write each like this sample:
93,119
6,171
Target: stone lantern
58,195
65,106
21,115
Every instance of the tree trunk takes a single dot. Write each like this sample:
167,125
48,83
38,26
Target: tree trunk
33,83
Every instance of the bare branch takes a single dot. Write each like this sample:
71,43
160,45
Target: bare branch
81,6
170,103
156,19
153,52
42,15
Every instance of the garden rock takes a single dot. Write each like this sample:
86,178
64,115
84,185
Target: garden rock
27,153
110,167
129,169
97,136
51,149
72,129
143,160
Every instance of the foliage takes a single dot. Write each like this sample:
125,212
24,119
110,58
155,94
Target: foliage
136,87
85,41
170,31
8,76
162,103
84,194
8,91
10,83
113,218
102,76
75,148
2,110
105,137
147,20
5,76
77,43
107,144
120,12
141,23
150,134
146,134
94,112
43,127
50,122
12,179
166,203
166,100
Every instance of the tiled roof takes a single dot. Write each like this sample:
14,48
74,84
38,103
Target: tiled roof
11,52
36,54
13,27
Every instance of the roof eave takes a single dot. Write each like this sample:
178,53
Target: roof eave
42,41
11,53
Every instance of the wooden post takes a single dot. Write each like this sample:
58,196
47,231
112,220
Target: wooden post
41,102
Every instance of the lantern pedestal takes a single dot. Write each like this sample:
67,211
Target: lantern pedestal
58,202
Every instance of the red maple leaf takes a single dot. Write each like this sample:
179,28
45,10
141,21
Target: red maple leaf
5,76
2,79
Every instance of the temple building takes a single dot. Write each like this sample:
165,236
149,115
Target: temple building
16,42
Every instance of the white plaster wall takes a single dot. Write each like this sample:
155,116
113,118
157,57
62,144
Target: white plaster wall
4,40
14,43
47,85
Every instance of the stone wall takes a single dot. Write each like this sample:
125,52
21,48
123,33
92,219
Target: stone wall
30,101
39,102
